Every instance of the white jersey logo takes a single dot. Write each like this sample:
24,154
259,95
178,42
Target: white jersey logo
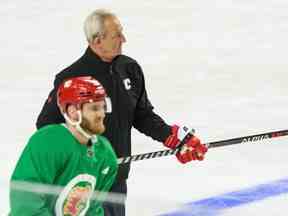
127,83
105,171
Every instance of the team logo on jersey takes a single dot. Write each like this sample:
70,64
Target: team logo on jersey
127,83
105,171
74,200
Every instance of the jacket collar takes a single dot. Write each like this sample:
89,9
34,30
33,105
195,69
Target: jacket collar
93,57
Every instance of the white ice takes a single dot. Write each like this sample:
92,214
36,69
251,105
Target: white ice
219,66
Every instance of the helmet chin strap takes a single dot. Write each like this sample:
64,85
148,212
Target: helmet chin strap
78,127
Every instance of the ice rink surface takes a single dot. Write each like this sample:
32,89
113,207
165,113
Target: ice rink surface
220,67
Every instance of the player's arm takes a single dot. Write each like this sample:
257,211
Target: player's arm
33,168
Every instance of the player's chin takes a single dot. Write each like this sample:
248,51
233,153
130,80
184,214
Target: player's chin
100,129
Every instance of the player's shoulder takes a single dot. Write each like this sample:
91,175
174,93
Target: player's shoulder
103,141
49,136
49,130
106,146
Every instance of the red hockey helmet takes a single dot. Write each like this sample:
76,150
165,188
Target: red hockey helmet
79,90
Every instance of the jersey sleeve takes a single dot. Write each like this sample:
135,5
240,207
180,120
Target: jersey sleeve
37,166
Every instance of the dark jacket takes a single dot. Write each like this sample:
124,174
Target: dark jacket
130,104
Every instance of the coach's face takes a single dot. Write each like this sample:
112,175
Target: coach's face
110,42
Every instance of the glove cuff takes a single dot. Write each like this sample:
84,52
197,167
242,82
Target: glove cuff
172,140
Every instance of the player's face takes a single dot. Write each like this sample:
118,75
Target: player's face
93,115
112,39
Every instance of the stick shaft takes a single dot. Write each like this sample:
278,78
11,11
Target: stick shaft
233,141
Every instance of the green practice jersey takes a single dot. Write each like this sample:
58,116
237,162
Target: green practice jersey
53,156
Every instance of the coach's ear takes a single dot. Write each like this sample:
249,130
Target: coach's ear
94,44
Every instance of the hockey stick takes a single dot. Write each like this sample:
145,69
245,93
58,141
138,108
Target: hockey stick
238,140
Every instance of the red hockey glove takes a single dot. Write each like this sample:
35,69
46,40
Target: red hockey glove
192,148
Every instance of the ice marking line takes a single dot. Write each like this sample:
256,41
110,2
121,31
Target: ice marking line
214,205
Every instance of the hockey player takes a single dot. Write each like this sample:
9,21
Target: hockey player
123,79
72,155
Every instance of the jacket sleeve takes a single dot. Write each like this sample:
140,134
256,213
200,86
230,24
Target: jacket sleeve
145,119
50,113
35,167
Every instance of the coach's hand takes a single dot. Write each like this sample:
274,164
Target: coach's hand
191,149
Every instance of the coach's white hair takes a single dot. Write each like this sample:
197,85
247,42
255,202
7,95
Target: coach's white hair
94,23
